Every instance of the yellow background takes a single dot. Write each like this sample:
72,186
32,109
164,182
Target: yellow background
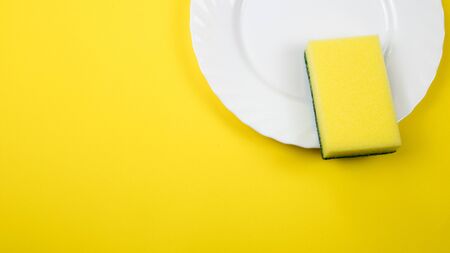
111,141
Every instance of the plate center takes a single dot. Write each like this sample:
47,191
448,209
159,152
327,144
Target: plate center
274,34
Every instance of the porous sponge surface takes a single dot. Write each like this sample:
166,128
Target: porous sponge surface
352,97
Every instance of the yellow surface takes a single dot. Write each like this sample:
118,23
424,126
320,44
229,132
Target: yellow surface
352,97
111,141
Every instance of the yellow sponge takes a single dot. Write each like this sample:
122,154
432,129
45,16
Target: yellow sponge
352,97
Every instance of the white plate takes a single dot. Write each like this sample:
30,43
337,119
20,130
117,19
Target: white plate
251,53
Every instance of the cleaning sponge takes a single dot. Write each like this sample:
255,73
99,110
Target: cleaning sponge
352,98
